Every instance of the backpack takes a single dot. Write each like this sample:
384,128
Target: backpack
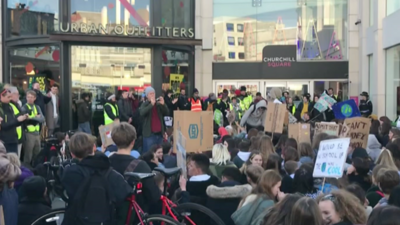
93,203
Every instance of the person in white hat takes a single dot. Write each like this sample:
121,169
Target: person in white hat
111,111
153,112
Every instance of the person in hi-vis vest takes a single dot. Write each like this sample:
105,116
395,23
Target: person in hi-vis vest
111,112
245,100
16,104
32,128
196,104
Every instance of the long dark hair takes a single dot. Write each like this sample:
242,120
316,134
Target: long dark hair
303,180
279,214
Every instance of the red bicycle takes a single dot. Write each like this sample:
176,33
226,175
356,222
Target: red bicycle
185,213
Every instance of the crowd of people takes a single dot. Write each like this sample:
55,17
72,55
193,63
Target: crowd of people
249,176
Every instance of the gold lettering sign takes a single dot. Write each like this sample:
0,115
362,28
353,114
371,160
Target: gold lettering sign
138,31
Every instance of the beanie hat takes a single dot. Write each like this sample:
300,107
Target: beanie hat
237,92
34,186
275,93
195,91
242,88
8,171
149,90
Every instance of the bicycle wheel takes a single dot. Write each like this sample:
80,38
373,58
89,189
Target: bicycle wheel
196,214
53,217
158,220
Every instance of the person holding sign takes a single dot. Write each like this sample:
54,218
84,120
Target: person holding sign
304,108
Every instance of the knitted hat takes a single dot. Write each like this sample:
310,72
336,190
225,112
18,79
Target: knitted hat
149,90
34,186
237,92
242,88
8,171
195,91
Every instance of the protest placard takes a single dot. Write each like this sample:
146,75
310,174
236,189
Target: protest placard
181,153
328,128
300,132
105,133
324,102
331,157
346,109
357,129
275,118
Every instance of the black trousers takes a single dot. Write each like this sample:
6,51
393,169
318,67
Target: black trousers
11,147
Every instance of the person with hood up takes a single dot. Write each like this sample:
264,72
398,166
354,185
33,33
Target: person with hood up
111,111
125,107
373,147
365,106
274,95
195,103
84,112
255,116
304,108
245,100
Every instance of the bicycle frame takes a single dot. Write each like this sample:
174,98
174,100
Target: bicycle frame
168,205
133,205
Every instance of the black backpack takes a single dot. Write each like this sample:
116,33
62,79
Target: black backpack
93,203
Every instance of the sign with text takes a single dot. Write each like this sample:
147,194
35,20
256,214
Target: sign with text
346,109
357,129
300,132
275,118
324,102
328,128
279,55
331,157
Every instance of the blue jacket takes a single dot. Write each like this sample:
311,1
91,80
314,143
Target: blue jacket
9,201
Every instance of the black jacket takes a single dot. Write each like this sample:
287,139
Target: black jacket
183,103
74,175
171,107
41,101
365,108
84,111
224,199
30,209
109,111
125,110
8,132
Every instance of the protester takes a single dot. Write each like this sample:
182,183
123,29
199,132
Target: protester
253,173
365,105
281,213
305,212
306,153
254,116
11,121
125,108
52,110
196,104
304,108
243,154
357,191
245,100
386,215
153,112
171,102
111,110
183,101
303,181
25,172
374,195
41,100
16,105
387,180
84,109
169,158
220,160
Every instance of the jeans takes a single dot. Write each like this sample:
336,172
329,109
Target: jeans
85,127
154,139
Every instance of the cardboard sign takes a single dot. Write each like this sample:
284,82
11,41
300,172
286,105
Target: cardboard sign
331,157
105,133
181,153
324,102
328,128
357,129
275,118
292,119
300,132
196,127
346,109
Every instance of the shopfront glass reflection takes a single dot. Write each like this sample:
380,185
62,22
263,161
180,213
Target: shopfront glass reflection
317,27
101,71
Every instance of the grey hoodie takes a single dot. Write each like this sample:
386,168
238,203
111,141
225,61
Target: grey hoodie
373,147
255,118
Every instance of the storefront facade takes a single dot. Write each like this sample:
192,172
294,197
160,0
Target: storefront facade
98,46
315,30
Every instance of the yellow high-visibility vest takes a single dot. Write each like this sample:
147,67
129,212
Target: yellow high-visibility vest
30,127
16,112
107,119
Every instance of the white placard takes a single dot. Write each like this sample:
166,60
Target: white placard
331,157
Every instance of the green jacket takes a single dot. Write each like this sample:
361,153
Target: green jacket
216,170
145,113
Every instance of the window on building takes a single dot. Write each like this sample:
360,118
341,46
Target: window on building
240,27
230,27
393,82
231,40
240,41
392,6
232,55
241,55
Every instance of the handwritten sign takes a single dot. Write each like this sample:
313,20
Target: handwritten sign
181,153
328,128
300,132
276,114
331,157
324,102
357,129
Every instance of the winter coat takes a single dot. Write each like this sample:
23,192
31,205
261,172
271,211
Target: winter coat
224,199
251,210
253,116
50,120
373,147
30,209
216,169
145,113
84,111
171,106
125,110
41,101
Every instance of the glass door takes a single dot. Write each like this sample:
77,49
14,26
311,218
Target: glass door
251,87
297,89
272,84
230,86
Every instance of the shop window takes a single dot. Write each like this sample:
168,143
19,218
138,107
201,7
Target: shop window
393,82
240,41
241,55
232,55
230,27
30,64
319,28
175,71
240,27
28,18
174,13
231,40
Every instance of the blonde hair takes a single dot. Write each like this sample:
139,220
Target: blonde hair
385,158
220,154
14,159
248,162
347,205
